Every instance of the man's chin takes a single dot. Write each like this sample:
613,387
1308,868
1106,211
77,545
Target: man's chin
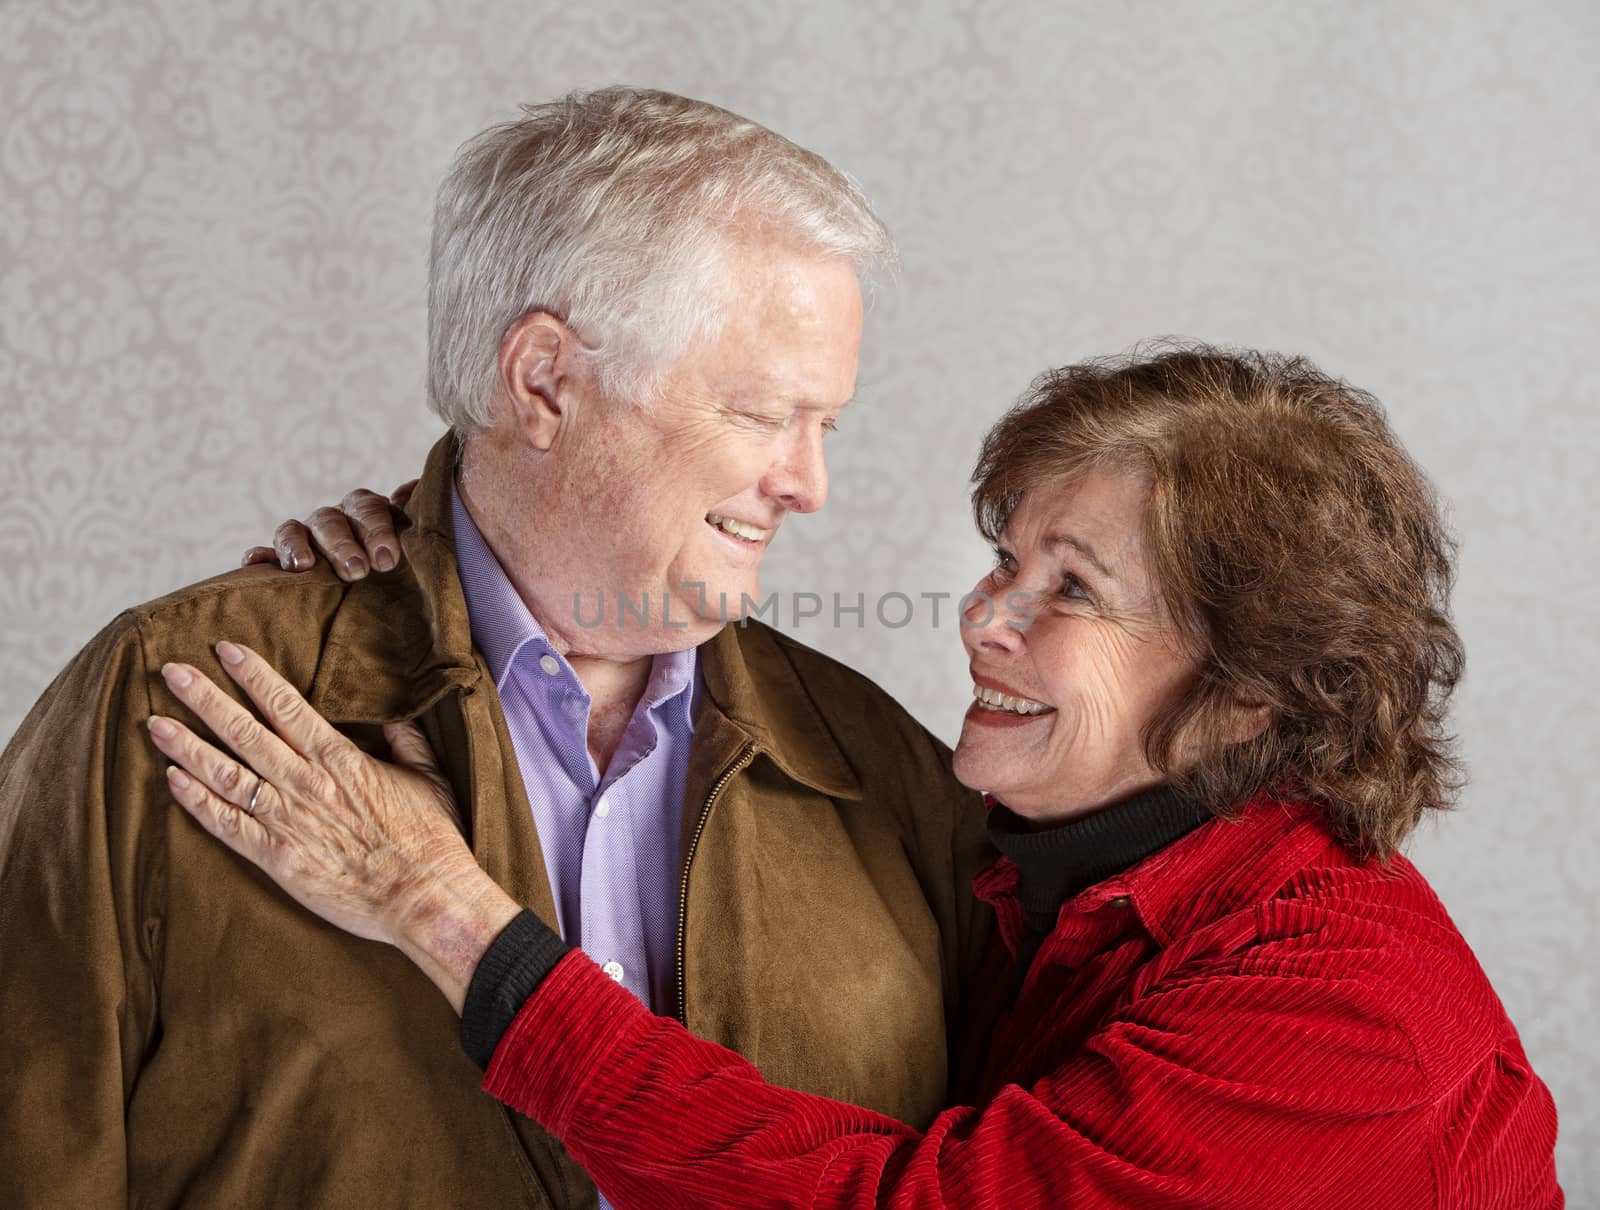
720,601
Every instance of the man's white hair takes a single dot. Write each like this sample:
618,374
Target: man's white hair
614,210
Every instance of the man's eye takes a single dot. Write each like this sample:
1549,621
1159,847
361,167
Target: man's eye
1005,563
770,424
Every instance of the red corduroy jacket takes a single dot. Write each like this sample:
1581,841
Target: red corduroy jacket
1249,1017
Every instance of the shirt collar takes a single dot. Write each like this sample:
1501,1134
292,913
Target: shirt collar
674,685
501,622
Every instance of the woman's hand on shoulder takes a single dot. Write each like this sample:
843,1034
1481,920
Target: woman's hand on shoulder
355,537
374,847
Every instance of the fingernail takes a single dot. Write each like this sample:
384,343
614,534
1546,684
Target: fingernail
356,566
162,727
298,562
177,777
383,559
177,675
229,653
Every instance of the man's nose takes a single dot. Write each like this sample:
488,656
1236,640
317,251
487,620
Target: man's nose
800,479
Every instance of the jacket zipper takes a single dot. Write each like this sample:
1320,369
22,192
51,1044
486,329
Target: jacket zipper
746,755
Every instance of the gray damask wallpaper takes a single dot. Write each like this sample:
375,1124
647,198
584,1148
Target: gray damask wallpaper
213,231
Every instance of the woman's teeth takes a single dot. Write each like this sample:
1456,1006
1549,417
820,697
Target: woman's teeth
738,529
990,699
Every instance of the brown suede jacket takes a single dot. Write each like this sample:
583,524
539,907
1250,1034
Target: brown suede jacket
178,1032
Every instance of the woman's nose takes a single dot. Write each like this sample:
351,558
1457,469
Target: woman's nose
994,620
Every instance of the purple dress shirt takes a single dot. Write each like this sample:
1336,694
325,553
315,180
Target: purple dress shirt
611,844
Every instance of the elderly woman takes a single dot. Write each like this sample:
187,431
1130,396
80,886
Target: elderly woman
1210,668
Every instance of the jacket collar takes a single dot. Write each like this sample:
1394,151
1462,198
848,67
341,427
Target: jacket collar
751,680
1221,867
402,640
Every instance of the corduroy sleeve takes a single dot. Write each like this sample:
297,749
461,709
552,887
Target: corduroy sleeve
1236,1089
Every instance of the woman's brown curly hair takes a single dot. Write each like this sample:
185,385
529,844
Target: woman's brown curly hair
1301,554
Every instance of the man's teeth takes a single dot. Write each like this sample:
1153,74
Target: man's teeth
739,529
993,700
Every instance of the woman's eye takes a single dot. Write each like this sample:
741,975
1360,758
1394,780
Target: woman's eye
1005,563
1075,589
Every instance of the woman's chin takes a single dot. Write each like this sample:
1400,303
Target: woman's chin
981,763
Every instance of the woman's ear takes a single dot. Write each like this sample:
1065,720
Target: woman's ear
1247,718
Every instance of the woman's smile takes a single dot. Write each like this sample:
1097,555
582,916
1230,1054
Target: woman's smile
996,704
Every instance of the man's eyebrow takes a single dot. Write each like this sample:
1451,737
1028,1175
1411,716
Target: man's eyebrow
802,404
1058,540
799,403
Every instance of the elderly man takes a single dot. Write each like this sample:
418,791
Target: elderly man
644,319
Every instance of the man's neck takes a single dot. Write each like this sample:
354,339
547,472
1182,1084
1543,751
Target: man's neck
615,681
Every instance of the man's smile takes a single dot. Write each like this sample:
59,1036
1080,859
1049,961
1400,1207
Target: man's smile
742,532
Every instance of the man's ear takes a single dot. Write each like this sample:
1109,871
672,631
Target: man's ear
542,374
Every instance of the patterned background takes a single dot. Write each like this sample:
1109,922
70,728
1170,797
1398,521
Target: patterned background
213,228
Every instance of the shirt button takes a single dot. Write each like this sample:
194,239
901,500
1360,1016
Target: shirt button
614,969
603,809
550,664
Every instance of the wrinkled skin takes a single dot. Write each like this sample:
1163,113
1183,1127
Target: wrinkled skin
372,847
355,537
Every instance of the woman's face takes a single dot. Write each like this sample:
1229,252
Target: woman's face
1081,645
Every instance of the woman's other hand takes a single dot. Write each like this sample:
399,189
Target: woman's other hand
372,847
354,537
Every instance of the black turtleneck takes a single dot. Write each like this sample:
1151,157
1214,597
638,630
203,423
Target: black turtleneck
1056,863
